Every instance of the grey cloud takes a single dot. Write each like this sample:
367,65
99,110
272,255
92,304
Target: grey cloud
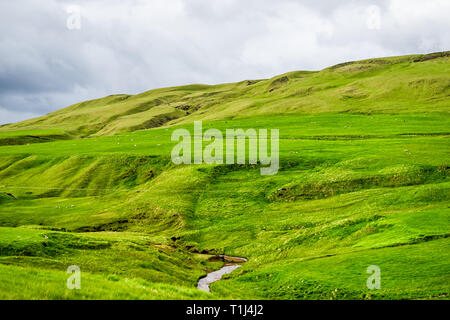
138,45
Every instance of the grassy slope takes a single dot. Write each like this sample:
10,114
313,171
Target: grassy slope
385,85
363,180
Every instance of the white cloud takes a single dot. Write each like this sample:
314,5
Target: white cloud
138,45
14,116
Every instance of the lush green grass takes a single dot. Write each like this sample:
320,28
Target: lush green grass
407,84
412,272
363,181
50,284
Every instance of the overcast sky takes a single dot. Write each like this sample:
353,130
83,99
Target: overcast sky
54,53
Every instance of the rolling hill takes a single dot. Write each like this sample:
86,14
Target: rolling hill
363,180
416,83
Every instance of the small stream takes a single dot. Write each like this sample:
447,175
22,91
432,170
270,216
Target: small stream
203,283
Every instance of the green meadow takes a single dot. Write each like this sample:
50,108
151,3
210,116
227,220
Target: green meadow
363,180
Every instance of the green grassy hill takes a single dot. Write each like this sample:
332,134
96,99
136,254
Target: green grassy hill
363,180
417,83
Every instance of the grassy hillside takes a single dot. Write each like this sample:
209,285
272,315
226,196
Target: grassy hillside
406,84
363,180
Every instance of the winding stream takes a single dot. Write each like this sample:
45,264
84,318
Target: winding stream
203,283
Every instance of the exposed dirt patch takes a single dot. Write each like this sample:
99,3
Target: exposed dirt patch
278,83
431,56
227,259
188,108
